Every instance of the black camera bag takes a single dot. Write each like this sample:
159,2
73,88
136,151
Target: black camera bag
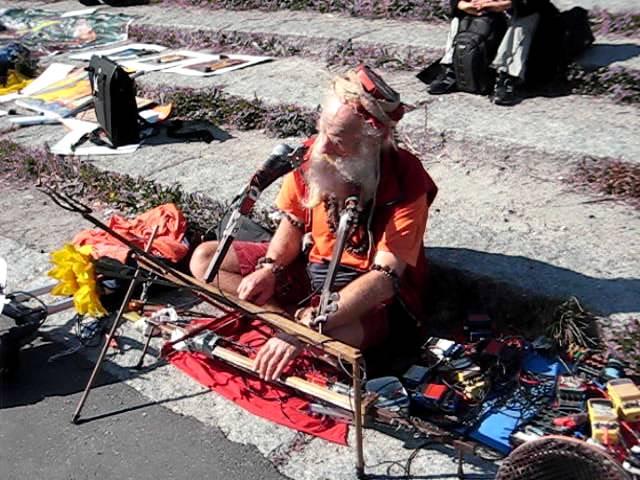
114,97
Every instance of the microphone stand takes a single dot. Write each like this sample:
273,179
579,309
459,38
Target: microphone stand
328,299
245,201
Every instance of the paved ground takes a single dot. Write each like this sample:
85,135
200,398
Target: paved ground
123,434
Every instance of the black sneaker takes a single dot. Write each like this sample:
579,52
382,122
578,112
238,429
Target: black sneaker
504,92
445,82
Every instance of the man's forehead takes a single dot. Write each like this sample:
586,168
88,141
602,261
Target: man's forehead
339,116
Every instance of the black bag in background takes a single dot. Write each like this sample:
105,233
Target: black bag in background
114,97
576,32
475,46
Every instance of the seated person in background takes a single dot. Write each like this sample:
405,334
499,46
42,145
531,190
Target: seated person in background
383,262
511,59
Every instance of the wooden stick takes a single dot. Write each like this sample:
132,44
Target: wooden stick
277,320
247,364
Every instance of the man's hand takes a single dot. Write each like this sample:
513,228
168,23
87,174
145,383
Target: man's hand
491,5
468,7
275,355
305,316
258,287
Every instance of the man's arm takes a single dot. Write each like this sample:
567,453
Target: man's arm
491,5
258,287
363,294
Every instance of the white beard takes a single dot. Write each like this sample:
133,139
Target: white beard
341,176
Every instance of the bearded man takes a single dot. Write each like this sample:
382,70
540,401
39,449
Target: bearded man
383,264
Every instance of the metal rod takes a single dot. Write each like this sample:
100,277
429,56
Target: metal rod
36,292
223,246
114,326
348,217
147,342
357,421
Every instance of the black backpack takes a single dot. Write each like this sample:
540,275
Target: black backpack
475,46
114,97
576,32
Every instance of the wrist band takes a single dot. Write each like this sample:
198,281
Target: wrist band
293,221
276,268
387,272
385,269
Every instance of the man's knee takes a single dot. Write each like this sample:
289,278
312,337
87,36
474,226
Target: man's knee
201,257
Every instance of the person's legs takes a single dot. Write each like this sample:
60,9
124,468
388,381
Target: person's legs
447,58
237,263
371,330
511,60
445,82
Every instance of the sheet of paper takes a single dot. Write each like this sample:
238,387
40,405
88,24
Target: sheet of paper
89,149
128,52
79,128
79,13
9,97
223,63
169,59
54,73
29,120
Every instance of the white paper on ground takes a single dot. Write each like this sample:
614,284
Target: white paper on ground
9,97
79,13
79,128
54,73
250,60
90,149
29,120
148,65
114,52
150,115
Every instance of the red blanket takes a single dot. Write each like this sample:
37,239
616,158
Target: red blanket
273,402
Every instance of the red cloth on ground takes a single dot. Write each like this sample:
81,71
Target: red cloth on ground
273,402
168,242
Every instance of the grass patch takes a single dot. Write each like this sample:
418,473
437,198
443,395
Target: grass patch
212,104
613,178
89,184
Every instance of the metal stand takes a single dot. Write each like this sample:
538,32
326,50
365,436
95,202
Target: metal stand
357,418
114,326
329,304
225,243
328,299
282,160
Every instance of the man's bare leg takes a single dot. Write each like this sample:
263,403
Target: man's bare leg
228,277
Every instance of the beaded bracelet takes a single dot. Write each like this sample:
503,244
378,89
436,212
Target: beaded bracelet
388,272
276,268
293,221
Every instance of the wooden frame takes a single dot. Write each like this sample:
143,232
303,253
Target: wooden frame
280,321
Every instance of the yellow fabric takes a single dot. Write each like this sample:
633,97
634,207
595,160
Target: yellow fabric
74,269
15,82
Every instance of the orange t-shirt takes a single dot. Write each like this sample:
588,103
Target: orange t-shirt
402,234
398,224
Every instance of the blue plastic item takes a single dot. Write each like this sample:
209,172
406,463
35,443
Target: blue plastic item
500,417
